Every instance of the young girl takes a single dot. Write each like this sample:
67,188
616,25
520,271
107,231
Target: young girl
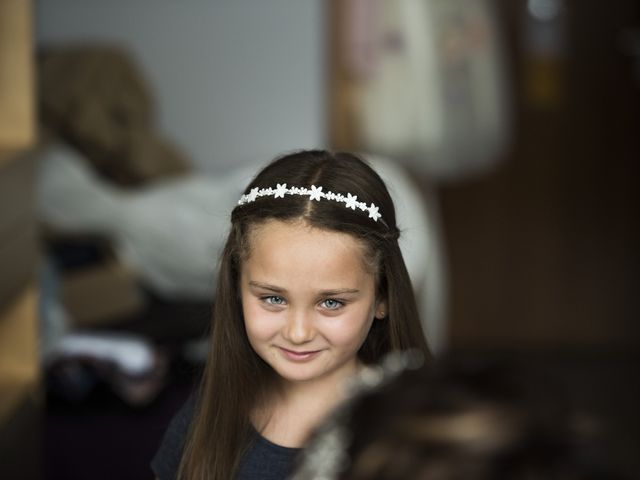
312,286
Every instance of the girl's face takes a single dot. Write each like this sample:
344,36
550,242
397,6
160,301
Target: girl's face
308,300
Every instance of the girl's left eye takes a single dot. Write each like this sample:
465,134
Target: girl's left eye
332,304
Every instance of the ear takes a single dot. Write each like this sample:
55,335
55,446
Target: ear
381,310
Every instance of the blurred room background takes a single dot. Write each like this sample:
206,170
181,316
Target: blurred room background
507,130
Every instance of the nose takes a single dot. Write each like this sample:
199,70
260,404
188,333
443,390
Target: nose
299,327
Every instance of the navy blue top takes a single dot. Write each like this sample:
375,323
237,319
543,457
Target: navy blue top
264,460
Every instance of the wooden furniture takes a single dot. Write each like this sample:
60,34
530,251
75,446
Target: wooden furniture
20,404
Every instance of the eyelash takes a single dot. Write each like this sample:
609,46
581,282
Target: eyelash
269,301
339,303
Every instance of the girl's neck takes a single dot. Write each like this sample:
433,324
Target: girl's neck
296,408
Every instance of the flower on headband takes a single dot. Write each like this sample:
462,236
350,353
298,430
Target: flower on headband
373,212
316,193
280,190
253,194
351,201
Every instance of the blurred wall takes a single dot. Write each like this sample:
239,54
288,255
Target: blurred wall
543,252
235,80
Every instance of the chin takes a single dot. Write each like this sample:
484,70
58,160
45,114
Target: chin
297,374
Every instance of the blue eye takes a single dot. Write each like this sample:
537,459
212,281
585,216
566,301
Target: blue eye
273,300
332,304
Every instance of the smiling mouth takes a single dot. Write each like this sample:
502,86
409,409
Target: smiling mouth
298,356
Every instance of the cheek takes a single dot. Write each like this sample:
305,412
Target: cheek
256,322
351,330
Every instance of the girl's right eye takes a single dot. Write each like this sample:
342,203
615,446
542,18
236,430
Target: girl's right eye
273,300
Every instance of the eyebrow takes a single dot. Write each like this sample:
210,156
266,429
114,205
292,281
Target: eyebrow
325,293
266,286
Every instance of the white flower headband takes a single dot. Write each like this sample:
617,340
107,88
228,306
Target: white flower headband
314,193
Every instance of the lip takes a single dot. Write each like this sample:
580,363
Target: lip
297,356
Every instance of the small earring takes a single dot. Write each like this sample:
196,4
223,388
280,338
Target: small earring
381,314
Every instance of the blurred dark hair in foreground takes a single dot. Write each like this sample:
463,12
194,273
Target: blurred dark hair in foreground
464,418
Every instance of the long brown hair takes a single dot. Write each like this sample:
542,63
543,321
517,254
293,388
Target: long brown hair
235,378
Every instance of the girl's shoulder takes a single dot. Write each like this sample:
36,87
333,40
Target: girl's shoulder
263,459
